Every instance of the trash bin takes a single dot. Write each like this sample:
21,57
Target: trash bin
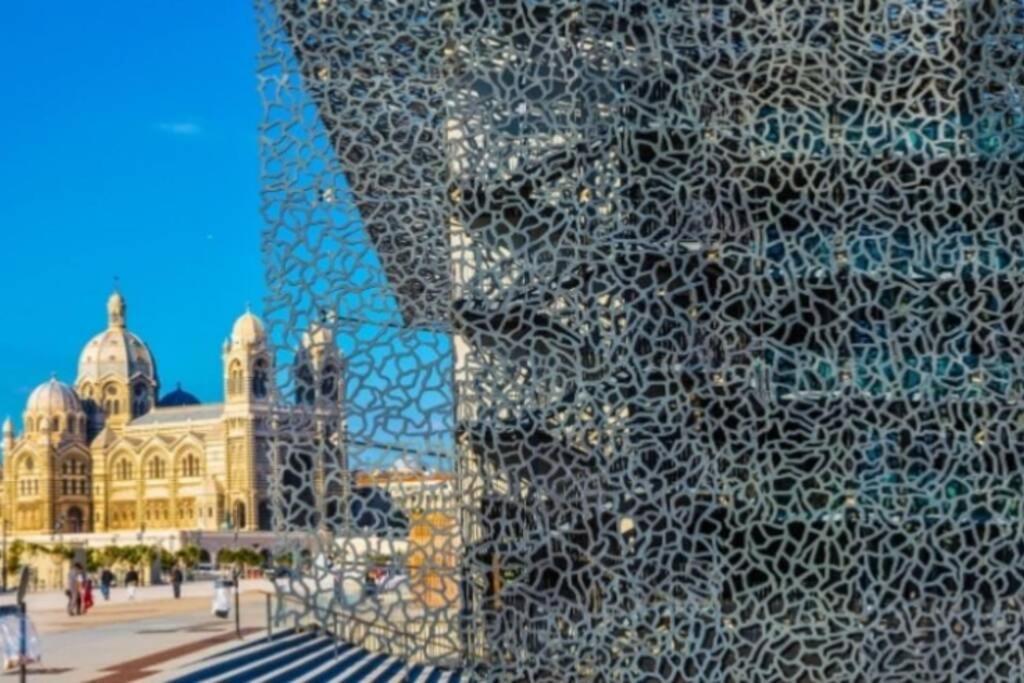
10,634
222,598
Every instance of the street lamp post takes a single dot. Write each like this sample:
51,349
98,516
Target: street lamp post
238,589
4,574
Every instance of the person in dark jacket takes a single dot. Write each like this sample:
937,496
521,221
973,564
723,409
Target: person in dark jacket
106,581
131,582
176,578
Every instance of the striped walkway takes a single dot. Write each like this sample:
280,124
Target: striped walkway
309,657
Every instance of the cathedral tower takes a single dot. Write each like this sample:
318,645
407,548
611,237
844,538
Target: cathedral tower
248,392
247,368
319,372
41,465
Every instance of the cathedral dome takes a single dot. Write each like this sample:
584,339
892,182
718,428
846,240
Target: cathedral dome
116,352
248,329
53,397
178,397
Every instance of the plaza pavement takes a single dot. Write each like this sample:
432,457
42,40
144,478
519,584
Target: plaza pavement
148,638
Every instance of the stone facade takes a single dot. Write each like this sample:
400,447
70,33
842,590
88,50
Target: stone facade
106,455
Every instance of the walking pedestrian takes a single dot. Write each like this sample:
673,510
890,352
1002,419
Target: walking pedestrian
131,581
87,602
106,580
75,589
176,578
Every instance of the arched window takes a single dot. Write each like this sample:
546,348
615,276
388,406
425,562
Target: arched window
329,384
140,400
260,379
27,465
157,469
236,379
239,521
190,465
123,470
305,388
55,424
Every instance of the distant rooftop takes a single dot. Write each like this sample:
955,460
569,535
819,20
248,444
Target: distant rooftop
160,416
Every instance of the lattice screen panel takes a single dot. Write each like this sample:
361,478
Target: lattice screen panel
718,309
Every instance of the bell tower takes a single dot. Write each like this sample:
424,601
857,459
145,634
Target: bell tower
248,391
247,367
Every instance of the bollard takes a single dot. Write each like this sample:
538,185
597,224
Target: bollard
238,617
23,645
270,621
23,609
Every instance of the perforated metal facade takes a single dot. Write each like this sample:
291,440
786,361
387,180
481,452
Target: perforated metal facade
733,295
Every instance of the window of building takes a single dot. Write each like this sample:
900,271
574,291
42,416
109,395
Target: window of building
304,392
260,379
236,379
123,470
157,469
140,401
190,465
329,384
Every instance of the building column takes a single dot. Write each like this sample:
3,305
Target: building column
174,495
140,509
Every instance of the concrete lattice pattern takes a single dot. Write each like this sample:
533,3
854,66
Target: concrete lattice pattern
733,299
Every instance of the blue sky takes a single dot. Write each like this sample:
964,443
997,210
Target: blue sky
130,149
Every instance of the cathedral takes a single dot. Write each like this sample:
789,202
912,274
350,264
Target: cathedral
107,454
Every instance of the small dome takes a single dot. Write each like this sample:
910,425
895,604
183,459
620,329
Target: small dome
178,397
248,329
53,397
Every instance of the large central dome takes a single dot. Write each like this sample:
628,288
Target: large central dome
116,352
